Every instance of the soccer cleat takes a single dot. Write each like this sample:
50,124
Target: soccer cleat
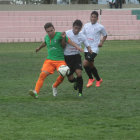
54,91
80,95
33,93
98,83
75,86
90,82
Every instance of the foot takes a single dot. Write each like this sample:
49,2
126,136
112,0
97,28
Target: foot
33,93
54,91
98,83
80,94
90,82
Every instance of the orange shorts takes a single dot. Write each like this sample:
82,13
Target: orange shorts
52,65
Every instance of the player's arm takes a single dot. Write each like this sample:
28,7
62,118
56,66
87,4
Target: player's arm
86,44
102,41
67,40
41,46
103,32
75,45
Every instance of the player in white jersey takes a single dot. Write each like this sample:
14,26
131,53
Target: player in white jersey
72,55
93,31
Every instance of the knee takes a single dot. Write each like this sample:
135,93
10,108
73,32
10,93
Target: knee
79,74
85,63
71,80
43,75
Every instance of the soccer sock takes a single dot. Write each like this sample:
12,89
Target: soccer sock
95,73
80,84
58,81
73,80
88,71
40,81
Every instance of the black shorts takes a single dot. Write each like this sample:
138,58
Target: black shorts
74,62
90,57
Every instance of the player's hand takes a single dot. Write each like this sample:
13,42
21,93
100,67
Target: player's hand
100,44
80,49
63,35
37,49
89,50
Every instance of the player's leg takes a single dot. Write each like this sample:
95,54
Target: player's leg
40,81
46,70
95,72
39,84
72,79
87,67
77,66
71,60
96,75
59,79
79,81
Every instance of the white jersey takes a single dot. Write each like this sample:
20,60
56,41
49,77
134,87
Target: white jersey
78,39
93,33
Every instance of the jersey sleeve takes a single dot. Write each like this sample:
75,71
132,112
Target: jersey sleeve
67,39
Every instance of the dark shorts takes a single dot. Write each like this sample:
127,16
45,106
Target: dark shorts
74,62
90,57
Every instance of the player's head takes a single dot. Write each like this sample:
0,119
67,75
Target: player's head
49,28
94,17
77,26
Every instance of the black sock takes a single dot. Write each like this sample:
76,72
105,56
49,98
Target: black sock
80,84
95,73
88,71
73,80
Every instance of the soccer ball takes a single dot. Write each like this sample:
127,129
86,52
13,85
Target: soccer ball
64,70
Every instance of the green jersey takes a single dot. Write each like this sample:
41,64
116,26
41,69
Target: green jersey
55,50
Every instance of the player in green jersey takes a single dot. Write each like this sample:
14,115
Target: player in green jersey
54,42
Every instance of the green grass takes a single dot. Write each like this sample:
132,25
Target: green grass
110,112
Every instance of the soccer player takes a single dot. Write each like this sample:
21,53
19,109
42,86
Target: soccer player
53,41
72,55
93,31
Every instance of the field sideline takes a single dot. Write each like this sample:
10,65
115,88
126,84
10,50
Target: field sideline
110,112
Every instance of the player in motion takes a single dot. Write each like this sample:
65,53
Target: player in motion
72,55
93,31
54,42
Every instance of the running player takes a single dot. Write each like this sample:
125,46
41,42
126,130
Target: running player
93,30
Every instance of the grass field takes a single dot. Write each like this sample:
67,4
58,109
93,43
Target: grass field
110,112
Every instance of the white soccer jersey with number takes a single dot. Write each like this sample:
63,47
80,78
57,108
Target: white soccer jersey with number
78,39
93,33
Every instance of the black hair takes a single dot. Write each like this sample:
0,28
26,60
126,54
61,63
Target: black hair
48,25
94,13
78,22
